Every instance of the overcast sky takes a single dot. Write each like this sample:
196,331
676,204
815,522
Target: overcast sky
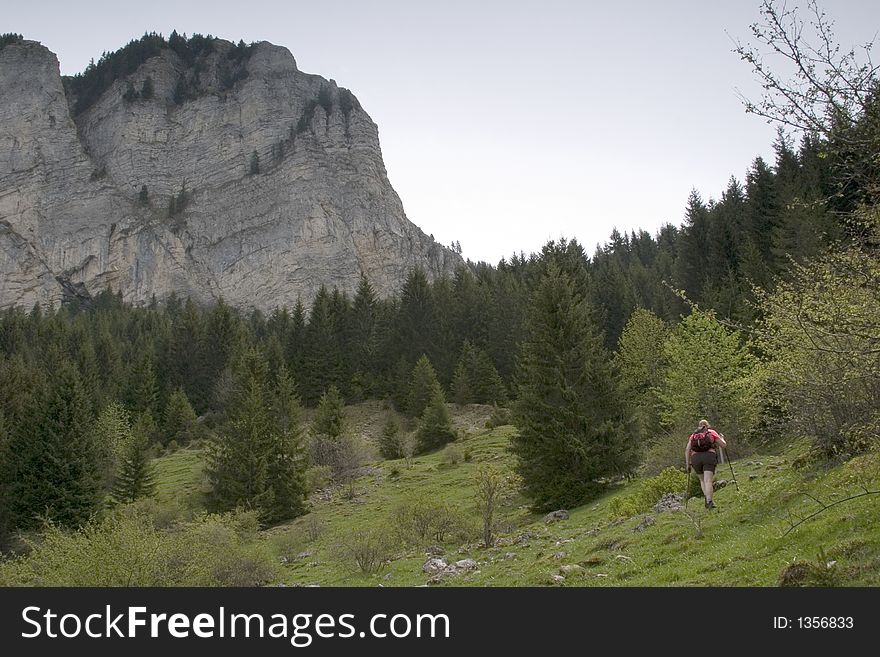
503,123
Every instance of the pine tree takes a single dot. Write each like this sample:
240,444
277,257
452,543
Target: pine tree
320,358
488,386
179,419
238,466
143,393
362,334
423,384
287,463
568,414
390,445
435,425
330,414
58,465
254,167
416,321
476,381
462,388
134,477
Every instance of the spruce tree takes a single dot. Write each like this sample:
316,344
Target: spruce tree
287,462
435,425
238,466
330,414
462,379
134,476
57,465
571,434
487,383
179,419
390,444
423,384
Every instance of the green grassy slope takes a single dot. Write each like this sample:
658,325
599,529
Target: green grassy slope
742,543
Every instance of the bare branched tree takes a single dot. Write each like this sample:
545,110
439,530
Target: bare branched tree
819,86
814,86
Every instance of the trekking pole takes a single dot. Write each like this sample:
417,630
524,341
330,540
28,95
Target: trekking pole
732,473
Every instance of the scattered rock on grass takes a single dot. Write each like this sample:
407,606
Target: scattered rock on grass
669,502
434,565
646,522
556,516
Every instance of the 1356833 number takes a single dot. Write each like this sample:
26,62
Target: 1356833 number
825,622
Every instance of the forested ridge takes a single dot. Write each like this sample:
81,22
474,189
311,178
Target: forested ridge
760,312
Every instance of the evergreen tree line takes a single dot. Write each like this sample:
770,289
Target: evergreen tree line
87,87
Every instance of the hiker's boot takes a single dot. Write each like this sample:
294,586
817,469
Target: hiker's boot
710,504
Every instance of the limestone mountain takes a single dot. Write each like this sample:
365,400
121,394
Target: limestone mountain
200,168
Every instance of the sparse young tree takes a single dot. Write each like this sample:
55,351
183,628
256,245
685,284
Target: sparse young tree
492,487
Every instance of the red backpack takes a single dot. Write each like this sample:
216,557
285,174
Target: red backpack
701,441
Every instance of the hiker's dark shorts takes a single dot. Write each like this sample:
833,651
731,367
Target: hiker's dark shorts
701,461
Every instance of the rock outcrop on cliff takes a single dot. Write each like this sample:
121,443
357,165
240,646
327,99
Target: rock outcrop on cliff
233,175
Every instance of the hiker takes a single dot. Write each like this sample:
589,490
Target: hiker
699,454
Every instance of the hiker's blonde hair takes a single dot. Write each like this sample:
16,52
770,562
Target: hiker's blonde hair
703,424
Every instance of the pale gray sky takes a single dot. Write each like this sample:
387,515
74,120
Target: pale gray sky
503,123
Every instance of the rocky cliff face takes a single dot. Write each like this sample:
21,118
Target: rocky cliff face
277,181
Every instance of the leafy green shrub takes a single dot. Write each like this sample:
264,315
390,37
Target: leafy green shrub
649,491
128,549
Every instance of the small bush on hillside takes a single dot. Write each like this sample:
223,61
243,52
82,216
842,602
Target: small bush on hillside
821,572
500,416
368,550
452,455
318,477
420,521
314,527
